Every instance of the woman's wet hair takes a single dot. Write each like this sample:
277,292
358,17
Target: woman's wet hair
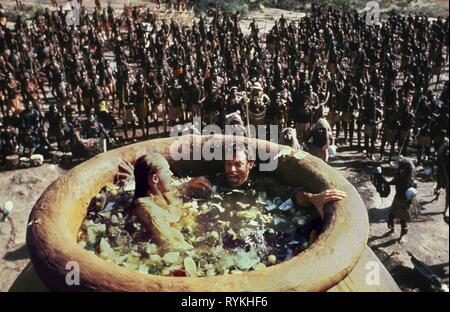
145,166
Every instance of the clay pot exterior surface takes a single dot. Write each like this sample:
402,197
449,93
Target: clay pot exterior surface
57,216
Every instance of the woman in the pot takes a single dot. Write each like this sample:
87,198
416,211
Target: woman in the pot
158,205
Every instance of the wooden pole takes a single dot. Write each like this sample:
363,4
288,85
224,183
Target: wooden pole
248,118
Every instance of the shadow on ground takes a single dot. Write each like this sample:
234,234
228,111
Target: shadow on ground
20,253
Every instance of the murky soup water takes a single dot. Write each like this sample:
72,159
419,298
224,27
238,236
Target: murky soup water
233,231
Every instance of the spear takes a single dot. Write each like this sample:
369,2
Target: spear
426,272
248,118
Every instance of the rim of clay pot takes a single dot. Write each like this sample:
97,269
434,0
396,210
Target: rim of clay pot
57,216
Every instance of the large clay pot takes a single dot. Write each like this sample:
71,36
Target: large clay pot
58,214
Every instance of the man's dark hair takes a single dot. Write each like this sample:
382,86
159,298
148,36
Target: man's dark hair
232,150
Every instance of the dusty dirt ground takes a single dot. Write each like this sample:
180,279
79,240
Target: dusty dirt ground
428,233
23,188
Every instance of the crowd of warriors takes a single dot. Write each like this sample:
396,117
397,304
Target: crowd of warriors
118,76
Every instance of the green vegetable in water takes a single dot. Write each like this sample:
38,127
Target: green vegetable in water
235,232
190,266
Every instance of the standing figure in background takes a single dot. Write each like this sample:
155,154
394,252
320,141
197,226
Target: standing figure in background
442,174
321,139
370,119
405,197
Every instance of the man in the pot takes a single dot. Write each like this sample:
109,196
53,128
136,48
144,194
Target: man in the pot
239,173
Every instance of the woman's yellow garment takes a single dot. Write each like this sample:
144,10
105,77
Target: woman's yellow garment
164,216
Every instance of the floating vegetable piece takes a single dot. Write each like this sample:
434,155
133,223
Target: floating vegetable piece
180,273
278,220
232,234
246,232
94,232
278,201
165,272
153,260
195,205
271,207
249,214
115,219
287,205
129,186
218,207
224,223
105,248
272,259
105,214
111,189
137,226
171,257
151,249
143,268
190,253
253,223
130,266
134,258
262,195
214,235
190,266
302,220
245,261
110,206
82,244
242,205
